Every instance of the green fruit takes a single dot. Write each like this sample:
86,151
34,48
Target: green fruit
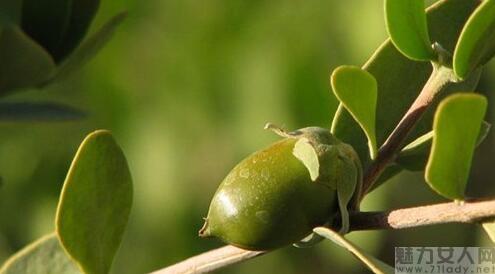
276,196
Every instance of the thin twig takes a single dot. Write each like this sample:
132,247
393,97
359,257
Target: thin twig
210,260
469,212
392,146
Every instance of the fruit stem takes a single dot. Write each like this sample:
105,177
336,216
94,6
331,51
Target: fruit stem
277,130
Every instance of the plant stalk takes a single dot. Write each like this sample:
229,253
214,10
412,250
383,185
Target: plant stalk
439,78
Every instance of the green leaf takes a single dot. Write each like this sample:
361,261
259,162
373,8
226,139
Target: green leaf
82,13
408,29
414,156
95,203
375,265
489,227
346,188
10,11
24,63
27,112
308,241
89,48
419,143
476,44
306,153
357,91
484,130
43,256
46,22
401,79
455,130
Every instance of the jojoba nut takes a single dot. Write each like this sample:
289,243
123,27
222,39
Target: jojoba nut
270,199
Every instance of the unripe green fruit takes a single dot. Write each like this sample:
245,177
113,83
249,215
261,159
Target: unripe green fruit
271,199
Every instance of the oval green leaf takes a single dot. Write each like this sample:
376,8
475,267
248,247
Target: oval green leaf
82,13
45,255
95,203
39,112
375,265
89,48
46,22
476,44
35,66
408,29
356,89
456,127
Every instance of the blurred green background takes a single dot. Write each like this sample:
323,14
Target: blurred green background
186,87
